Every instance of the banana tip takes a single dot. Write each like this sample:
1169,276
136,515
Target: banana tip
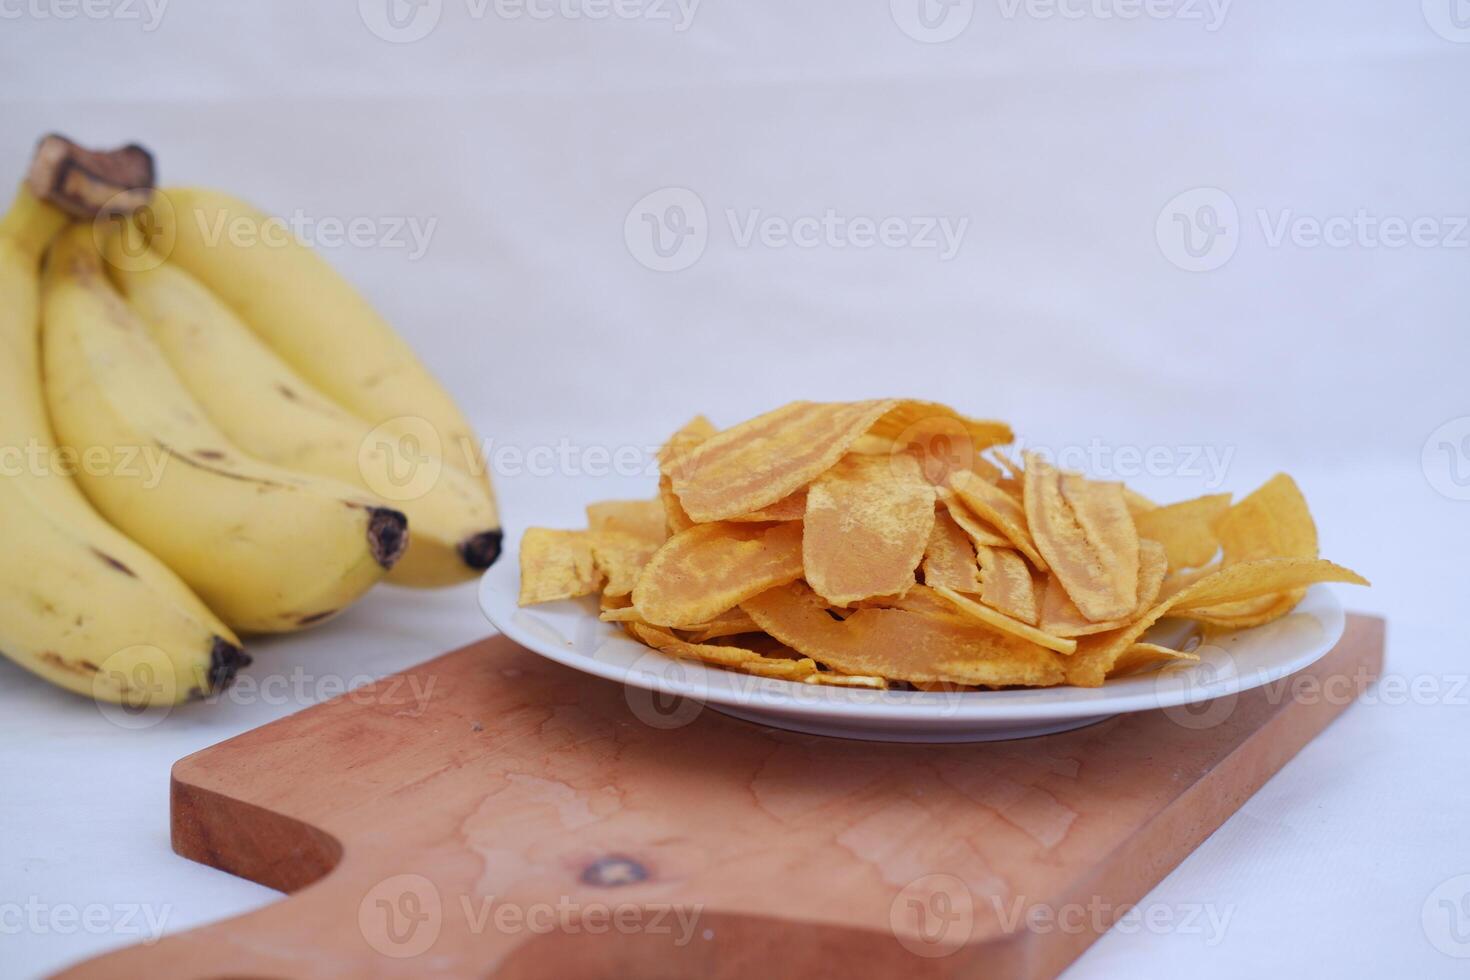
387,535
225,660
479,551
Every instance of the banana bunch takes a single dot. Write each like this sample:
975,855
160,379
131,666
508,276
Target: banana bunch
201,439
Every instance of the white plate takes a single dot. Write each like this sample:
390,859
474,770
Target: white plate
669,693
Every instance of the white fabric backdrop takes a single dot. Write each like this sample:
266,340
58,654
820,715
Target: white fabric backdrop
1053,140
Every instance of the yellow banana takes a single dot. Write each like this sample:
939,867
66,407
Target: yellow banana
269,549
274,414
80,604
310,315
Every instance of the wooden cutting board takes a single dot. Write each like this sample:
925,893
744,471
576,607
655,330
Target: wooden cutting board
493,813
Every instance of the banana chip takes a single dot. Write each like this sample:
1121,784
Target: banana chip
868,521
1187,529
1006,584
624,535
792,508
731,622
556,565
640,519
901,645
949,557
984,614
691,434
1096,655
1141,657
1001,510
1087,535
1273,522
734,658
702,572
756,463
1061,617
981,534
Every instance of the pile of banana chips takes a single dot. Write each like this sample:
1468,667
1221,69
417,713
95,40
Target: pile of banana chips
895,543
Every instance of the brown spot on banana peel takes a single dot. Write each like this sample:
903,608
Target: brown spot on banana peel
114,564
225,661
56,660
311,619
387,535
479,551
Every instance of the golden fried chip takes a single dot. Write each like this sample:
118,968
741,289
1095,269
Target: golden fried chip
641,519
693,432
731,657
792,508
689,435
731,622
705,570
1084,530
1000,509
1187,529
868,520
900,645
1096,654
1246,613
949,557
756,463
911,420
981,534
1144,656
619,614
998,620
1272,522
1061,617
620,557
828,678
556,565
674,517
1006,584
1137,503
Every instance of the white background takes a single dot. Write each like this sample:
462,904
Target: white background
1060,140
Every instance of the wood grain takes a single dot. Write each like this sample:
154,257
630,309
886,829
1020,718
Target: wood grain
493,813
